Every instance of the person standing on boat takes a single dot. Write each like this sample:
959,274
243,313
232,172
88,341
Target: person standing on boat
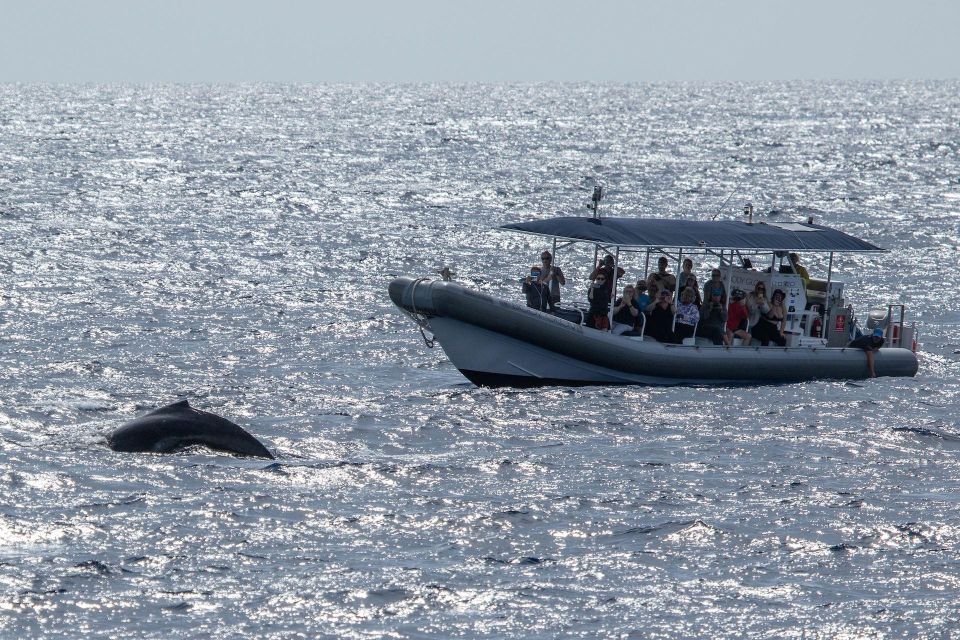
686,272
599,297
605,267
870,344
688,315
662,278
626,311
537,292
737,316
661,312
771,324
551,276
715,283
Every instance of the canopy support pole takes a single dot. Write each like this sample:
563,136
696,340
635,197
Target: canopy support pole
676,295
826,305
646,266
729,280
676,286
613,290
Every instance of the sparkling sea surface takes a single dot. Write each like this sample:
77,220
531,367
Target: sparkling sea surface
232,245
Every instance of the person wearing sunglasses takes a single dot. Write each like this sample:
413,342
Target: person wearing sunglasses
661,312
536,290
605,267
737,318
713,284
772,322
626,311
757,303
552,276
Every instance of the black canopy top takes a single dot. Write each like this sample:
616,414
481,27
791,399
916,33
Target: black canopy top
721,234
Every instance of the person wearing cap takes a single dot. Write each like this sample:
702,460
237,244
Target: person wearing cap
870,345
551,276
737,316
715,283
605,267
536,290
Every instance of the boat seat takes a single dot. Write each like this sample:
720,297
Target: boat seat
697,342
575,316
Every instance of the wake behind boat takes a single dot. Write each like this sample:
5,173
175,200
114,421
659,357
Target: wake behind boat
499,342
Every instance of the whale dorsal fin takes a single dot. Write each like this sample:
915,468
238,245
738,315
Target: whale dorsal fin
180,404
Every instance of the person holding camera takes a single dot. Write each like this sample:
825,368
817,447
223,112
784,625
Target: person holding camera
713,318
626,311
661,312
605,267
551,276
599,297
537,291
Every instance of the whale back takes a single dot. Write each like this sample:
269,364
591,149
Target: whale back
178,425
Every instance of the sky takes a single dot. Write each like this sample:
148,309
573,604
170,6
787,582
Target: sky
477,41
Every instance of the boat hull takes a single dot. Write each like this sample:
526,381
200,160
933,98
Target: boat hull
495,342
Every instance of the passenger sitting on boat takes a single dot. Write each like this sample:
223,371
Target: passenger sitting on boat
552,276
715,282
652,291
686,271
537,292
757,303
641,294
688,315
605,267
691,282
771,324
870,344
713,318
661,277
661,312
626,311
737,316
599,299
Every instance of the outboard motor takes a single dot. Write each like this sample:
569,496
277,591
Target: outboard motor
877,319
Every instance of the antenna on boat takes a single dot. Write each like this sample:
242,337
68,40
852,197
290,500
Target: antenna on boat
724,203
748,211
595,200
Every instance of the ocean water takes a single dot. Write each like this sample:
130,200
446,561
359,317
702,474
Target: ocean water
231,245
